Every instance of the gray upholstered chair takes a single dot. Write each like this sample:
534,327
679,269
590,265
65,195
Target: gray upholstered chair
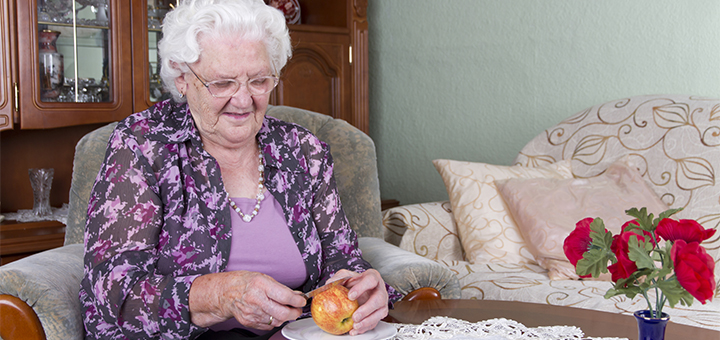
39,294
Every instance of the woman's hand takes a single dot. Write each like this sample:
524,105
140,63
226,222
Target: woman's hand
369,290
256,300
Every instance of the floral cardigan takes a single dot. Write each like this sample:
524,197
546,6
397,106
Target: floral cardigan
158,218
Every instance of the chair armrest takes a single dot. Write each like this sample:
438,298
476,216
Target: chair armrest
425,293
49,283
18,320
406,271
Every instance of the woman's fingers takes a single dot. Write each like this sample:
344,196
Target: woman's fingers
286,297
369,290
264,303
369,322
365,282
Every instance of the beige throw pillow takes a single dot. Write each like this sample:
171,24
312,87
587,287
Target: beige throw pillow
546,209
486,228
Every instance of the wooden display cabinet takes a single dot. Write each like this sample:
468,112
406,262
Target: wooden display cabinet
18,240
40,129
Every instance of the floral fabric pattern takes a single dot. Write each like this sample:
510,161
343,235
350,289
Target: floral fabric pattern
158,218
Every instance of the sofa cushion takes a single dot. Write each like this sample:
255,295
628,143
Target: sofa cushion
547,209
529,283
674,139
487,231
427,229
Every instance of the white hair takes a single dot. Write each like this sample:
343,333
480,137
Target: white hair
252,19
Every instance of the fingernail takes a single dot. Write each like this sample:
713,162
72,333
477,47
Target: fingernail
352,296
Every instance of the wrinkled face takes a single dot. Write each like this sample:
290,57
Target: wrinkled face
230,122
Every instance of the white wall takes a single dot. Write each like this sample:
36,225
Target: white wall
476,79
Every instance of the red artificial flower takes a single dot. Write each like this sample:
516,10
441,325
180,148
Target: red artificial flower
578,242
694,269
686,230
624,267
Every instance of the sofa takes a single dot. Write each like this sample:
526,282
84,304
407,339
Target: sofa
488,238
39,294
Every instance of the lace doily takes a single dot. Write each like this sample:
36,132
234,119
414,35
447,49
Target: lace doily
495,329
22,215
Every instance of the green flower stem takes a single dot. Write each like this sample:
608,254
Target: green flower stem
661,304
659,296
647,299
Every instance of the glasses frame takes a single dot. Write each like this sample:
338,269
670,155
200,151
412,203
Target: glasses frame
275,79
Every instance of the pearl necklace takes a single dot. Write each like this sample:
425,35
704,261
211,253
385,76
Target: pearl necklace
259,196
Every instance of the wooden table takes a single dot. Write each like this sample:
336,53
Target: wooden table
593,323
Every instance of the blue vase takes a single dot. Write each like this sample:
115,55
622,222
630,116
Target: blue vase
650,328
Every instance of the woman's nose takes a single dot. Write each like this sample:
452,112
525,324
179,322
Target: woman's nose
242,98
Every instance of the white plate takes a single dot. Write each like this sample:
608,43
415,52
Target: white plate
306,329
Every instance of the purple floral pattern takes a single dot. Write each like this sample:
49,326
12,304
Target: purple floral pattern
158,218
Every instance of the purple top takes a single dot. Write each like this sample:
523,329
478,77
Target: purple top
158,218
264,245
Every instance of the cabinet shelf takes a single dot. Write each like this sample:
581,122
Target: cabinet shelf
63,24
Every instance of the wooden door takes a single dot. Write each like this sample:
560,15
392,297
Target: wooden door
317,78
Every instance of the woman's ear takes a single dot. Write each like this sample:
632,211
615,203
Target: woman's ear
180,83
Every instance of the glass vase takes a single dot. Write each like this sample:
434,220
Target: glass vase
41,181
650,328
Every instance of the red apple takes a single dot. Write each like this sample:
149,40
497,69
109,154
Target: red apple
332,310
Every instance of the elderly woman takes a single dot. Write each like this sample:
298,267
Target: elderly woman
207,216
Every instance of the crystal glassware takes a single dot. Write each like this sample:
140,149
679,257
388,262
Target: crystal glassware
41,181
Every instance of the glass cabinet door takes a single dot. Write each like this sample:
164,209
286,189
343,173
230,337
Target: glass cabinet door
74,51
156,13
73,62
147,21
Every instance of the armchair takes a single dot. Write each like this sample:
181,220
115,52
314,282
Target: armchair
39,294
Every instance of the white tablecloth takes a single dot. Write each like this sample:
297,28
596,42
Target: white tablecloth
495,329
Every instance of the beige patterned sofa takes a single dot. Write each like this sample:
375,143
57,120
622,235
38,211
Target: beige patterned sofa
674,142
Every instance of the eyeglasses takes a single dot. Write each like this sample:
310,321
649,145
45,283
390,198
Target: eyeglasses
228,87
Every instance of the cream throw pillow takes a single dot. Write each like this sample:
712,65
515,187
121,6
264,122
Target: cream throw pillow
486,228
546,209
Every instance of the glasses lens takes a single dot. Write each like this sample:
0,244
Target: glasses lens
228,87
262,85
223,88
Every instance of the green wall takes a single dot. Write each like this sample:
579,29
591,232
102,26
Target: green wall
476,79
